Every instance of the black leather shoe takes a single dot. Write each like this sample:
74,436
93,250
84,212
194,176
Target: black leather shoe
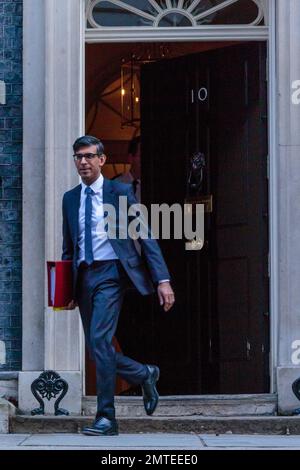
150,394
102,427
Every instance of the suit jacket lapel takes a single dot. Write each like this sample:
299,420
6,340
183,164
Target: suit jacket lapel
75,211
108,193
110,197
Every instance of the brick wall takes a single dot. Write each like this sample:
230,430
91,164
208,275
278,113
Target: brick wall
10,184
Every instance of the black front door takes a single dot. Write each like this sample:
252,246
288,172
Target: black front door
215,339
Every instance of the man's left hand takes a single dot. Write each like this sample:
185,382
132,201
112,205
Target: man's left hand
166,295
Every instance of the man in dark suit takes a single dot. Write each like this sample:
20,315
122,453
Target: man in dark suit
103,266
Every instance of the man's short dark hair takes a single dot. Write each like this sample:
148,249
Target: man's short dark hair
87,141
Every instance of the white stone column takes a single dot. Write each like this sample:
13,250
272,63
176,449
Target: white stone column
64,83
33,185
53,96
288,43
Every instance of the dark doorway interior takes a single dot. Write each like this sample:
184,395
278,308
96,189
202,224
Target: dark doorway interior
216,339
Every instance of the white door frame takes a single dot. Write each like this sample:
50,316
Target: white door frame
229,33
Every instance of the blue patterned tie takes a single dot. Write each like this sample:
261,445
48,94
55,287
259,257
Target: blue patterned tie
88,246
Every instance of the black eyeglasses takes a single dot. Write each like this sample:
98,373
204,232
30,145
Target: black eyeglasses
88,156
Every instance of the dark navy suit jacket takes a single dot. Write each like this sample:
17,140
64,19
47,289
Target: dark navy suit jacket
144,270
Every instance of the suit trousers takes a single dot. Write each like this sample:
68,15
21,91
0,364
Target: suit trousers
100,291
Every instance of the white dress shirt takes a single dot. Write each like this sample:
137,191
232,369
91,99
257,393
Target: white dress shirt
102,249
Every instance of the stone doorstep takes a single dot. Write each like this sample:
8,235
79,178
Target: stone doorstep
204,405
193,424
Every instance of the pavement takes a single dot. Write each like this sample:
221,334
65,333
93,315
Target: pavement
143,441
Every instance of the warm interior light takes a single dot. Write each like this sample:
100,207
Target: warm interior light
137,99
123,92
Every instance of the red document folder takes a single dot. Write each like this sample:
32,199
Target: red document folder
60,284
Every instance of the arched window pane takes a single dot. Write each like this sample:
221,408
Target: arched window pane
162,4
244,12
202,7
173,20
174,13
109,14
143,5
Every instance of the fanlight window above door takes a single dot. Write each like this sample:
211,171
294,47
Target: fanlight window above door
174,13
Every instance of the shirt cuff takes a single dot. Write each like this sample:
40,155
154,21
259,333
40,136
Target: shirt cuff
163,280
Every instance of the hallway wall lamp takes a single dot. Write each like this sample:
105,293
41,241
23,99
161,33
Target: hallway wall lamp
130,92
130,78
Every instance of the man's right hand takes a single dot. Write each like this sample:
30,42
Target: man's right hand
73,304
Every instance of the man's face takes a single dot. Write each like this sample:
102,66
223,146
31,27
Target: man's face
89,169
